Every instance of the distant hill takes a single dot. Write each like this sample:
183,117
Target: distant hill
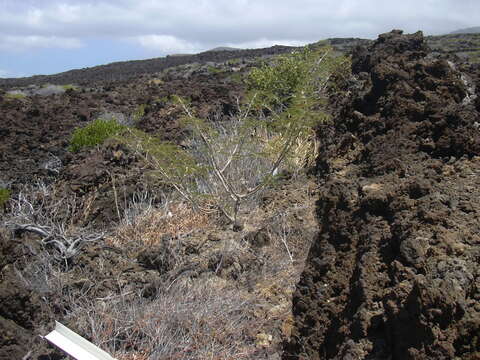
120,71
125,70
471,30
465,45
225,48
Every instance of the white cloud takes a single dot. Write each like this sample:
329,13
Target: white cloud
187,25
167,44
22,43
263,43
113,30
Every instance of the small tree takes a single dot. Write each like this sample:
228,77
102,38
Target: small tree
228,162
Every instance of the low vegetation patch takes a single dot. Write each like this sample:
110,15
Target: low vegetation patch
214,70
15,95
4,196
148,226
201,321
139,113
70,87
94,134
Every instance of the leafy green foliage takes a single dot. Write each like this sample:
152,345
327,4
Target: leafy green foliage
275,84
176,163
214,70
291,91
292,78
4,196
236,78
94,133
171,164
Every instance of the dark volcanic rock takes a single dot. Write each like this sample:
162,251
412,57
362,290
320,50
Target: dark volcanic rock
35,131
394,273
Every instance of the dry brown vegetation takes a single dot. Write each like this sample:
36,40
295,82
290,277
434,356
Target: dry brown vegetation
232,302
176,219
189,320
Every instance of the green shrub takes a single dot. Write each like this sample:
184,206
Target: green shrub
233,62
237,78
94,133
15,95
274,84
214,70
69,87
301,74
4,196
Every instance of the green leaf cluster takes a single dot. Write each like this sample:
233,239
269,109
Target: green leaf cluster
291,79
94,133
290,93
4,196
70,87
172,163
275,84
15,95
214,70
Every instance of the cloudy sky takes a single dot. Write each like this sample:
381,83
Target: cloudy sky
49,36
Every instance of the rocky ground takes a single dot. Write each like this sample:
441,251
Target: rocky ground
36,129
394,272
184,287
465,46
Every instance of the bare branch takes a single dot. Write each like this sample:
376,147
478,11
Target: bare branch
37,210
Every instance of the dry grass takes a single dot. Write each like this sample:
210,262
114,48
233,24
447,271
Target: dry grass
238,308
303,153
203,320
147,228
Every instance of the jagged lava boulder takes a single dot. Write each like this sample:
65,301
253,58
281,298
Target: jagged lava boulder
395,270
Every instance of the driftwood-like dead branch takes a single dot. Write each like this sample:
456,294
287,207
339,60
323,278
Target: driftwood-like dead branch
37,211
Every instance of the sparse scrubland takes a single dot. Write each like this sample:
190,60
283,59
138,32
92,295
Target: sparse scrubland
199,259
306,205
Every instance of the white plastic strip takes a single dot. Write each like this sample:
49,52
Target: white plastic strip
75,345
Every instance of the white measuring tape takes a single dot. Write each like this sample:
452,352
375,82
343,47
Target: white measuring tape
75,345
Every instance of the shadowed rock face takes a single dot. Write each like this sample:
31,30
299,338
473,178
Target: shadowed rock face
394,273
